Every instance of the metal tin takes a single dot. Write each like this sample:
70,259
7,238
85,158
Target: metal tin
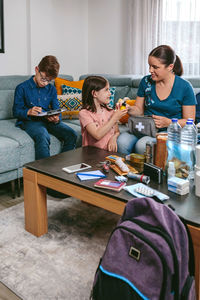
138,161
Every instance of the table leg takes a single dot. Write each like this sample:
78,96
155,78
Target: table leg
195,233
35,204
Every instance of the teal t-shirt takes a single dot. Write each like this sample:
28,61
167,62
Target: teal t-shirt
181,94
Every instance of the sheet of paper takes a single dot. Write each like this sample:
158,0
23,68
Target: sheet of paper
90,175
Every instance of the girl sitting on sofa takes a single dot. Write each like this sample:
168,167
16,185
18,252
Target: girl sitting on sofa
99,122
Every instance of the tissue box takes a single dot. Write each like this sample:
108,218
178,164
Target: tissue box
178,185
178,182
174,189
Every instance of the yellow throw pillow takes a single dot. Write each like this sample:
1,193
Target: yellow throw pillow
124,119
60,81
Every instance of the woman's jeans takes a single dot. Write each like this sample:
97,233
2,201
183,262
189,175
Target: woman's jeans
39,132
128,143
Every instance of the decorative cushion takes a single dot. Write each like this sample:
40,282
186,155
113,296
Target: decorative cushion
60,81
124,119
72,100
68,90
112,91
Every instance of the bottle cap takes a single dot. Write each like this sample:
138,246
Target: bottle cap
174,120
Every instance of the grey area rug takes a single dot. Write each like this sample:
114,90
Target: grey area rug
61,264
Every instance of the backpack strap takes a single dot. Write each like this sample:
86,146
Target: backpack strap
191,249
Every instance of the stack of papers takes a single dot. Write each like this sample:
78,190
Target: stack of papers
90,175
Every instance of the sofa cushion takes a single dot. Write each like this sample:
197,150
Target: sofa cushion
75,124
9,154
6,104
71,100
59,81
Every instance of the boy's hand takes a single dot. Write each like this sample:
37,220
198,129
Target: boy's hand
34,111
54,118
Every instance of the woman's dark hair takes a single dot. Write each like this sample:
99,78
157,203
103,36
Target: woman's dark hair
92,83
50,66
168,56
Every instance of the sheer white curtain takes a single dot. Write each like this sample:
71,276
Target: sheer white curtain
155,22
181,30
144,33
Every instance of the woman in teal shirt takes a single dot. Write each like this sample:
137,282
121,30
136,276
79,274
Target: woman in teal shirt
163,95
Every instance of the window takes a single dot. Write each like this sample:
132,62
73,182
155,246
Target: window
181,30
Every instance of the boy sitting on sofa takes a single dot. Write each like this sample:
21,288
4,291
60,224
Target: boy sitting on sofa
36,95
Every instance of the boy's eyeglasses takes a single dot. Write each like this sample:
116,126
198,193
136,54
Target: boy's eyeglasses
44,79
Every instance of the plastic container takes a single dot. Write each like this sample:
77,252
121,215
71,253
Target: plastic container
188,143
171,169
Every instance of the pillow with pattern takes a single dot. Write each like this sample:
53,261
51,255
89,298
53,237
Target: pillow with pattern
112,97
71,100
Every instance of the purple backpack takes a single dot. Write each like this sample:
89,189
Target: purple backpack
149,255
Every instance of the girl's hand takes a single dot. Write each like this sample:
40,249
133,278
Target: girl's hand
119,113
161,121
112,144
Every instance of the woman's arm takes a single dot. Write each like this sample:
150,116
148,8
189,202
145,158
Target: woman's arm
188,111
99,132
138,108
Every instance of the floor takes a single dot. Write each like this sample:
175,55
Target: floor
6,201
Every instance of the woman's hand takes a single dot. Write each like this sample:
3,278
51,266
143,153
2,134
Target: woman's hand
161,121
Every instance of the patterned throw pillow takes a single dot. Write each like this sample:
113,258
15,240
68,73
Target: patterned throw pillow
112,102
60,81
72,100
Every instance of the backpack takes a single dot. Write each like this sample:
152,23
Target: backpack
147,256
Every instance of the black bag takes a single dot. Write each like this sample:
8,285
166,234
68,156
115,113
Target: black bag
149,255
142,125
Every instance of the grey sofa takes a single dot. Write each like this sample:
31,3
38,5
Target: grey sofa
16,146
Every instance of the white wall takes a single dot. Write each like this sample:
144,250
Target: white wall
107,36
60,27
14,60
85,35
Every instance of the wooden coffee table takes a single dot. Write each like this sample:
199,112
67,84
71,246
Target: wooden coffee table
48,172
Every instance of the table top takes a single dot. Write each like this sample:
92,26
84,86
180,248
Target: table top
187,206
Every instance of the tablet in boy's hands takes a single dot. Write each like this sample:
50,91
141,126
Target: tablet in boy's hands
76,168
51,112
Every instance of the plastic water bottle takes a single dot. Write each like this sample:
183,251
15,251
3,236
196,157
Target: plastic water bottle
195,127
174,132
188,143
